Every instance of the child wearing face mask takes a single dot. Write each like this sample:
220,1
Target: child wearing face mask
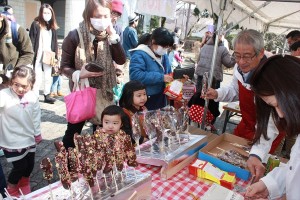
43,36
20,117
150,65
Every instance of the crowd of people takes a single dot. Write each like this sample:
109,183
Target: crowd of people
264,86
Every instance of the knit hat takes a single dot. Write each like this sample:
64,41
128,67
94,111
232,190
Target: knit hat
117,6
132,17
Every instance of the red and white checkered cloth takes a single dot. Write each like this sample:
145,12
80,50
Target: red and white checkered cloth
180,186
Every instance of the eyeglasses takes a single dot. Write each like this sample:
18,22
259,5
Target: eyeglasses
18,85
115,14
246,58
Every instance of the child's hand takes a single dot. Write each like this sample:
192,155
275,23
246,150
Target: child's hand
185,78
38,138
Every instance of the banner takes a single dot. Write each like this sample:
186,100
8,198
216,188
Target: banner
162,8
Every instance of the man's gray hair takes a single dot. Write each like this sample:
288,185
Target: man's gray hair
250,37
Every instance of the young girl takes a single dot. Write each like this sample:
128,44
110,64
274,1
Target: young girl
133,100
174,57
20,117
115,122
113,119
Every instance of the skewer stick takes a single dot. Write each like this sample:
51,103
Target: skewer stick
98,184
23,196
132,196
122,175
7,194
125,167
91,192
105,181
50,188
70,189
114,178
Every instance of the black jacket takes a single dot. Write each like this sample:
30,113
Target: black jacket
34,35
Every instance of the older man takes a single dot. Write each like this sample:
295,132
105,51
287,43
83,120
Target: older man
249,53
116,13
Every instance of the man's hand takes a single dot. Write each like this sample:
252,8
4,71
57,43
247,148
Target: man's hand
211,94
256,167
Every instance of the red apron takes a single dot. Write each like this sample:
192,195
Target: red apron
246,128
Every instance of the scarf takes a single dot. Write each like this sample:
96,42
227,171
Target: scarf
103,58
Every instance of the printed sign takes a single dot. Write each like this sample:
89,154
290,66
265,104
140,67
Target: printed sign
163,8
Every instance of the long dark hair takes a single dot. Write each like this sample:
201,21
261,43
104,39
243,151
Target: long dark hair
52,23
279,75
126,100
90,7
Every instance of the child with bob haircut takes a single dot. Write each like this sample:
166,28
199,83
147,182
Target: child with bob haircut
114,119
20,131
133,100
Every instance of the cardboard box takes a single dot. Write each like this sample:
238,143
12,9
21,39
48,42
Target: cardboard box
198,131
223,141
206,170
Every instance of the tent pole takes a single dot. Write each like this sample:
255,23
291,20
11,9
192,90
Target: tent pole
211,75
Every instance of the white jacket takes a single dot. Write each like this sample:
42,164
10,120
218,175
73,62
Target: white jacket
230,93
19,119
286,179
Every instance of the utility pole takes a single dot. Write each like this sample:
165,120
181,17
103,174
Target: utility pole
187,20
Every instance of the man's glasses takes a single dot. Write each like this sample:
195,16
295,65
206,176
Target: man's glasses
246,58
18,85
115,14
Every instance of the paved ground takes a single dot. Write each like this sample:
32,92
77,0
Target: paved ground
53,128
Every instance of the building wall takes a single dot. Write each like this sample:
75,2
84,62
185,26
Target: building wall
59,8
73,16
25,11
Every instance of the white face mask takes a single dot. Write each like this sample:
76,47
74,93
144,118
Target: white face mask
100,24
47,17
161,51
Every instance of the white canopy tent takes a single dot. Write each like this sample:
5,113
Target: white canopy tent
277,16
266,16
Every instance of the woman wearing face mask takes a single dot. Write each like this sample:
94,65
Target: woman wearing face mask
150,65
96,41
43,37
